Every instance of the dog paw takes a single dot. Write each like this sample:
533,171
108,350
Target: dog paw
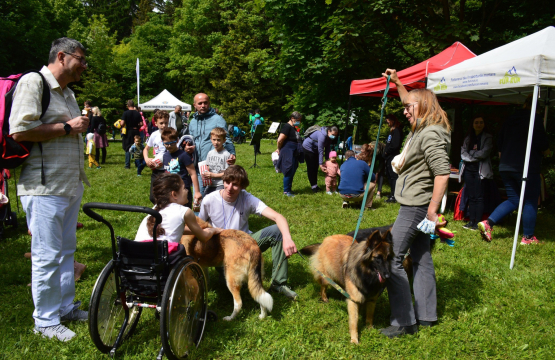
228,318
354,341
261,316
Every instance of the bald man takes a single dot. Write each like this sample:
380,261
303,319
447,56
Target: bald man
204,120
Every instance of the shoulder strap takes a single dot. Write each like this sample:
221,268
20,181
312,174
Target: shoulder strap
45,103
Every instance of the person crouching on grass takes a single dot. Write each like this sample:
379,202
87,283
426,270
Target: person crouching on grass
177,161
230,208
216,160
423,169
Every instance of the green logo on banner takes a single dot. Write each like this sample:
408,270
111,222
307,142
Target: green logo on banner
441,85
511,77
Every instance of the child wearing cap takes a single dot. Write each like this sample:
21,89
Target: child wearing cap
332,170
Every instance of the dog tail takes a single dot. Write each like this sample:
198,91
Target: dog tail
310,249
255,282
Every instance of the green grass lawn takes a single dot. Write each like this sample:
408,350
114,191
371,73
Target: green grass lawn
485,310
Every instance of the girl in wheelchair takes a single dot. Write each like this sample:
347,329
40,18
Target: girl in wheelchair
170,197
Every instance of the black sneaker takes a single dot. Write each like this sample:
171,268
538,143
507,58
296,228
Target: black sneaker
395,331
316,189
391,200
425,323
471,226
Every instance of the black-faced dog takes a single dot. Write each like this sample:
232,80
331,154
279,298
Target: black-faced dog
362,268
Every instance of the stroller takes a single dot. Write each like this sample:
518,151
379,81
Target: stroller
238,135
147,275
7,216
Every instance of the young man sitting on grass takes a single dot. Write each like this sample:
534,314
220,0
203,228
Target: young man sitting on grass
230,208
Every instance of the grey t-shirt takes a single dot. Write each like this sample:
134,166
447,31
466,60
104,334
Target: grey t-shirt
217,163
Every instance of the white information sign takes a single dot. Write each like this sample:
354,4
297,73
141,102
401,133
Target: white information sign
273,127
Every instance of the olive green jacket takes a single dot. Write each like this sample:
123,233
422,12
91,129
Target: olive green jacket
426,158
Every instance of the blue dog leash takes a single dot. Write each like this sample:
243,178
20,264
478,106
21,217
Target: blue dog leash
384,102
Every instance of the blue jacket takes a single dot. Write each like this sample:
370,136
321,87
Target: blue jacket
354,174
200,127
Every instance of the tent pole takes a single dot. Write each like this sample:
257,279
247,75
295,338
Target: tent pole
525,172
546,108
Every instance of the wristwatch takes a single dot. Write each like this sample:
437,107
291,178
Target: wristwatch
67,128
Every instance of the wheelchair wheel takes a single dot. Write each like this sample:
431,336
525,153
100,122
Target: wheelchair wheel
106,313
184,307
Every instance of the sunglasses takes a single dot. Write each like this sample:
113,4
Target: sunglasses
170,142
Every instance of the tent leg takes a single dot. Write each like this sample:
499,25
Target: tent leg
525,172
546,108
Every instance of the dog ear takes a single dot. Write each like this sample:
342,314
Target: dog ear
373,240
386,236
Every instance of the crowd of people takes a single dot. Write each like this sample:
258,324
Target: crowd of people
192,162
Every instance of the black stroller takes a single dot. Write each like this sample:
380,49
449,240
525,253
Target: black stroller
7,216
144,275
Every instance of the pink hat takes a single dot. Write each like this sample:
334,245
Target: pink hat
333,154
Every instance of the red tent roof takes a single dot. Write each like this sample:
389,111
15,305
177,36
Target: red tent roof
414,77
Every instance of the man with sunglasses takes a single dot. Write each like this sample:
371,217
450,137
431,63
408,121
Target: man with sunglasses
52,203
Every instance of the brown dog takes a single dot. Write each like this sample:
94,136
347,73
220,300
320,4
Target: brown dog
241,258
361,268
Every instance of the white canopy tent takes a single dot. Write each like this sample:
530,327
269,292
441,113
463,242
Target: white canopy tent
506,74
164,101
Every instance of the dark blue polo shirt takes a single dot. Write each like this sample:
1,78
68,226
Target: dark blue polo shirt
354,174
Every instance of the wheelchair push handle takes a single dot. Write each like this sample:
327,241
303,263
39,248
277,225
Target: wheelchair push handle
88,209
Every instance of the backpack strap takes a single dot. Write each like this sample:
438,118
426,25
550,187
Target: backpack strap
45,103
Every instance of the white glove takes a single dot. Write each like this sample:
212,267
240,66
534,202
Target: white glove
427,226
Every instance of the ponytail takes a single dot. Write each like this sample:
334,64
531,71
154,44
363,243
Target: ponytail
162,189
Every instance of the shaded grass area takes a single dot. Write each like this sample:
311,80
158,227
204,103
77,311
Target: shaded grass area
485,310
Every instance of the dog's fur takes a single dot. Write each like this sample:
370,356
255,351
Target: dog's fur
241,258
361,268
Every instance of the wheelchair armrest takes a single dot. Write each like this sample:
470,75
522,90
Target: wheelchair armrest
87,209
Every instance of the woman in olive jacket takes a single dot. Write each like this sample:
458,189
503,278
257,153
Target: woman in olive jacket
423,169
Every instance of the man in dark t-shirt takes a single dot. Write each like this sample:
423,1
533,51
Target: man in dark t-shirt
132,121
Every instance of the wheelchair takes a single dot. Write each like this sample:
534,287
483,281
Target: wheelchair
145,275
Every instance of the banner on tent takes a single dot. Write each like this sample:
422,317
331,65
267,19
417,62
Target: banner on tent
504,75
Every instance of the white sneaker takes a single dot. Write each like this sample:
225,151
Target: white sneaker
59,332
329,193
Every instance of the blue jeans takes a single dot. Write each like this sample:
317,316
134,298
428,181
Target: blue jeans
513,186
140,164
127,160
288,178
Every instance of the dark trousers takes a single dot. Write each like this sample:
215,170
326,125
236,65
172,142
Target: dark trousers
407,236
391,175
155,174
312,166
97,156
473,187
140,165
